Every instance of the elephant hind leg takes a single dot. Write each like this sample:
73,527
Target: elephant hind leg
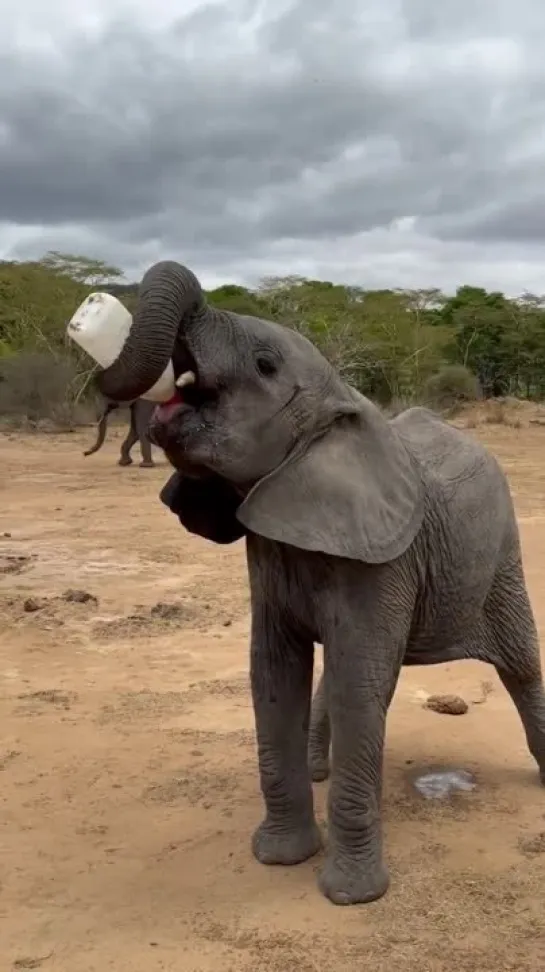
529,698
125,458
319,736
516,655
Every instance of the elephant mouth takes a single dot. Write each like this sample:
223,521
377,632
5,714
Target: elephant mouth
190,388
176,426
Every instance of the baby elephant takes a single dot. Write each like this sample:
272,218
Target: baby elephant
390,543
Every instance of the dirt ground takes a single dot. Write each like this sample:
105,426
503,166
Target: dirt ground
128,776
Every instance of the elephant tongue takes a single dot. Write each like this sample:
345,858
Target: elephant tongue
166,410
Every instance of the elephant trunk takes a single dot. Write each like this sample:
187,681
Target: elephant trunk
102,427
168,294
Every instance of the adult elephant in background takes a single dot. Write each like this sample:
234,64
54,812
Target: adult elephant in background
140,414
388,542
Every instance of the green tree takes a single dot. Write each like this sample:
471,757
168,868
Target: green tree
479,322
240,300
85,270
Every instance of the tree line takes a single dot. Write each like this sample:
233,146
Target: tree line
394,345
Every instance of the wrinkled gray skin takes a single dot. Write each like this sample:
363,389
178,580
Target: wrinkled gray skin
319,736
140,415
389,542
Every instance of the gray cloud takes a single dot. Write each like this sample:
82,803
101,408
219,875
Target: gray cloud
248,146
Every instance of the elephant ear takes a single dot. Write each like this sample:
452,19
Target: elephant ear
206,507
355,492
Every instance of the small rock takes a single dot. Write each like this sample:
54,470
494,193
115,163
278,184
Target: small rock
228,623
31,605
447,704
6,534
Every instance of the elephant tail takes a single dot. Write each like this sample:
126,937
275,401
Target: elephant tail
102,428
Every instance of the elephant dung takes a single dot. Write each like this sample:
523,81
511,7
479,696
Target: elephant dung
446,704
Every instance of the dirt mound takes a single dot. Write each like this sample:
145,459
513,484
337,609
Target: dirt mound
147,621
14,563
49,611
74,596
55,697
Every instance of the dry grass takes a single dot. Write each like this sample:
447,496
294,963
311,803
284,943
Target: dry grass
514,413
40,391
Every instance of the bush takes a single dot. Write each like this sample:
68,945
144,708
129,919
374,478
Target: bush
452,385
38,388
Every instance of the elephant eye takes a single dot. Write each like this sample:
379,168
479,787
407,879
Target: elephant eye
266,366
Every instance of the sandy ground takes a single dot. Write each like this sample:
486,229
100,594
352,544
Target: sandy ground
128,777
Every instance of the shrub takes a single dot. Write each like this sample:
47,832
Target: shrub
452,385
37,387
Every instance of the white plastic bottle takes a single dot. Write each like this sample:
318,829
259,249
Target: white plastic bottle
101,326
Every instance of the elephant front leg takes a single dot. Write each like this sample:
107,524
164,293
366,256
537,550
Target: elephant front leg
281,676
359,691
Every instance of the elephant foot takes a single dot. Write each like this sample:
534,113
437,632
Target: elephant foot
124,461
318,769
347,882
147,464
270,846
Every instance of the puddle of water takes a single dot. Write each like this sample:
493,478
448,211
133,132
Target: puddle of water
442,783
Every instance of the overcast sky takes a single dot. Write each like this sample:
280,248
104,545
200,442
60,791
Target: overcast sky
377,142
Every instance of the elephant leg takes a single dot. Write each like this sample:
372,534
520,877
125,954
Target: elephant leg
130,440
515,654
319,736
281,678
529,698
360,679
143,411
